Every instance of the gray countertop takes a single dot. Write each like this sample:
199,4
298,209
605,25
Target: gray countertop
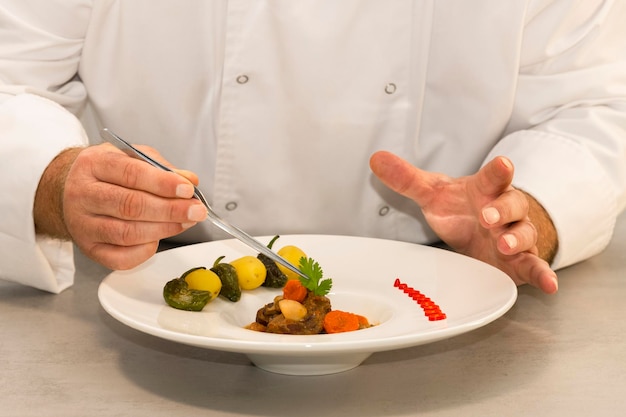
561,355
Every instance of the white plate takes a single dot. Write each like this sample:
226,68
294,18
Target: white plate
470,293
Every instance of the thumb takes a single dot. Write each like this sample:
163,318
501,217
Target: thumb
402,177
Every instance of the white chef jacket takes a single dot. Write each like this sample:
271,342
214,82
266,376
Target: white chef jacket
278,104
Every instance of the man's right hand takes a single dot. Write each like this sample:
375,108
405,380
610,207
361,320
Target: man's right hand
115,208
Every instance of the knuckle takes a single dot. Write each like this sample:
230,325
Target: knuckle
174,212
131,206
178,211
119,233
128,234
131,174
530,230
526,235
522,199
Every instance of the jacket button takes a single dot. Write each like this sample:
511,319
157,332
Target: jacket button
390,88
230,206
242,79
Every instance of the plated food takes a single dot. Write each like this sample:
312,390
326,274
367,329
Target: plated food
302,309
471,293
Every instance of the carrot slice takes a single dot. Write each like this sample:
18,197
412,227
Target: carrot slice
337,321
363,322
294,290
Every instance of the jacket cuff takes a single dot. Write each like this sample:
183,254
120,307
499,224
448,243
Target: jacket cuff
33,131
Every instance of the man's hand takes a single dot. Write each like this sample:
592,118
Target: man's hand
480,215
115,208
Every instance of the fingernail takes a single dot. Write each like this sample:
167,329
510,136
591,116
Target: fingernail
196,213
511,241
188,225
184,191
491,215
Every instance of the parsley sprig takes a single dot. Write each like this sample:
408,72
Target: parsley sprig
316,282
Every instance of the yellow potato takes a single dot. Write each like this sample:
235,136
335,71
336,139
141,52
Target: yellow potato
251,272
292,254
204,280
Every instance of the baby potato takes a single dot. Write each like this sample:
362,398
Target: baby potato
250,272
292,254
204,280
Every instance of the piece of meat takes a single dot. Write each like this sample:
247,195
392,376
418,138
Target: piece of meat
317,308
267,312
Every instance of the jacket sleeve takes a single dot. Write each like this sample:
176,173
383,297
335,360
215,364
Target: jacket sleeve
567,135
39,99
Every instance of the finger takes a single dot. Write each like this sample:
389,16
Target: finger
510,206
132,173
191,176
100,229
518,237
154,154
402,177
531,269
547,281
118,244
122,257
495,177
123,203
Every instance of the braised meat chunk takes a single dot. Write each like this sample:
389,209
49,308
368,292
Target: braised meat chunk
274,321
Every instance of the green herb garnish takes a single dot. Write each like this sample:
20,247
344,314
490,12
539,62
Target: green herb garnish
316,283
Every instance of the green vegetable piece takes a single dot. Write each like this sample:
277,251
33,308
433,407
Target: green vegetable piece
274,278
189,271
230,281
316,282
178,295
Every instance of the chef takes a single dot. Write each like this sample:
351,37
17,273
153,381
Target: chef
498,127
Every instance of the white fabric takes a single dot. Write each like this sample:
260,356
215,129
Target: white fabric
24,257
447,84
